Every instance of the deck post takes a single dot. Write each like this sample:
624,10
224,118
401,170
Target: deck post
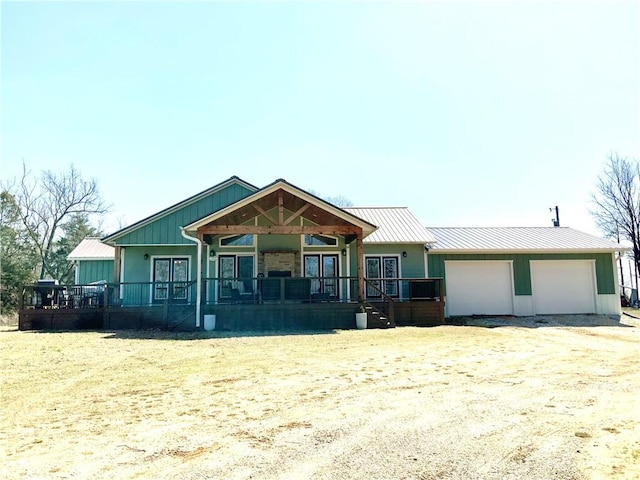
360,266
117,266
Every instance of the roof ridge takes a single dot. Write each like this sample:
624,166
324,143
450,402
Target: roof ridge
506,227
386,207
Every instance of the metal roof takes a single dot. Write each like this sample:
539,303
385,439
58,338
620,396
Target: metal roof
395,225
524,239
92,248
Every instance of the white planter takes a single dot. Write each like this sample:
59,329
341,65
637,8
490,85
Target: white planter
361,321
209,322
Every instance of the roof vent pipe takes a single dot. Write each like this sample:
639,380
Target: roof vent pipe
556,221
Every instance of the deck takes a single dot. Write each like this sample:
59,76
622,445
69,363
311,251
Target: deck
62,311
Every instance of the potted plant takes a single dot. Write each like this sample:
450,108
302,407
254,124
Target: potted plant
361,318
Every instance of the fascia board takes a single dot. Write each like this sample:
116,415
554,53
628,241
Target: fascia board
524,252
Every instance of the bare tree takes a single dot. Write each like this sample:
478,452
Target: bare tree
337,200
617,202
46,204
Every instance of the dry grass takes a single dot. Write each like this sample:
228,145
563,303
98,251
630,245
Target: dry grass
446,402
10,320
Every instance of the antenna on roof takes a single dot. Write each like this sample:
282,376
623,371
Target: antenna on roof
556,221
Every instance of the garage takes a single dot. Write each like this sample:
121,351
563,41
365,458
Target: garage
479,287
563,286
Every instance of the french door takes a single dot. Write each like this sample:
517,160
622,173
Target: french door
325,266
170,277
379,268
236,275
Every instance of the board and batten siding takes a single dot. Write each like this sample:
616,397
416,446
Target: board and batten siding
90,271
166,229
605,274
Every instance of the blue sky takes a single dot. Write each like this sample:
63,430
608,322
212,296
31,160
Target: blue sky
469,113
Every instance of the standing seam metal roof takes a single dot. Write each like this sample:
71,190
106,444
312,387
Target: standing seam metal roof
519,238
92,248
395,225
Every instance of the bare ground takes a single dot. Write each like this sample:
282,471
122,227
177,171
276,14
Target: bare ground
535,398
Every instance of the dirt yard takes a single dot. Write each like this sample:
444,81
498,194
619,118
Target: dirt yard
541,398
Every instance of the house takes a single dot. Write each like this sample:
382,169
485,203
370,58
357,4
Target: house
243,257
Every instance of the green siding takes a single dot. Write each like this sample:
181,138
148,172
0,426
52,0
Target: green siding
137,269
166,230
411,266
90,271
605,275
278,242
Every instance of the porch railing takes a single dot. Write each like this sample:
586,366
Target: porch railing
256,290
251,290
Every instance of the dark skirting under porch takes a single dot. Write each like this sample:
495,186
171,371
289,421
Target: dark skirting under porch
231,317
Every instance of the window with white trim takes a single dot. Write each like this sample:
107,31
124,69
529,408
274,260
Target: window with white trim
379,268
170,278
320,241
237,241
326,267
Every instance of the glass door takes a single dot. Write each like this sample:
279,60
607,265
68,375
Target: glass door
236,275
372,265
377,269
170,279
326,267
330,269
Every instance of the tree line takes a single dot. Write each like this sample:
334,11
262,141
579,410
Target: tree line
43,218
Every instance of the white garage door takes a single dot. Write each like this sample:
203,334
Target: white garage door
479,287
563,286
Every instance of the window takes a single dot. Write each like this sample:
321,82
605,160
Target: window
325,266
170,277
381,268
320,241
237,241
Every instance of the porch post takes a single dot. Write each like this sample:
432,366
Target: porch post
359,265
117,269
116,264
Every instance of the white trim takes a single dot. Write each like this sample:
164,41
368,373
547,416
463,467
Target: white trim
426,262
152,259
92,259
122,263
252,245
381,256
155,245
608,304
304,243
324,253
443,251
198,273
348,270
253,254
